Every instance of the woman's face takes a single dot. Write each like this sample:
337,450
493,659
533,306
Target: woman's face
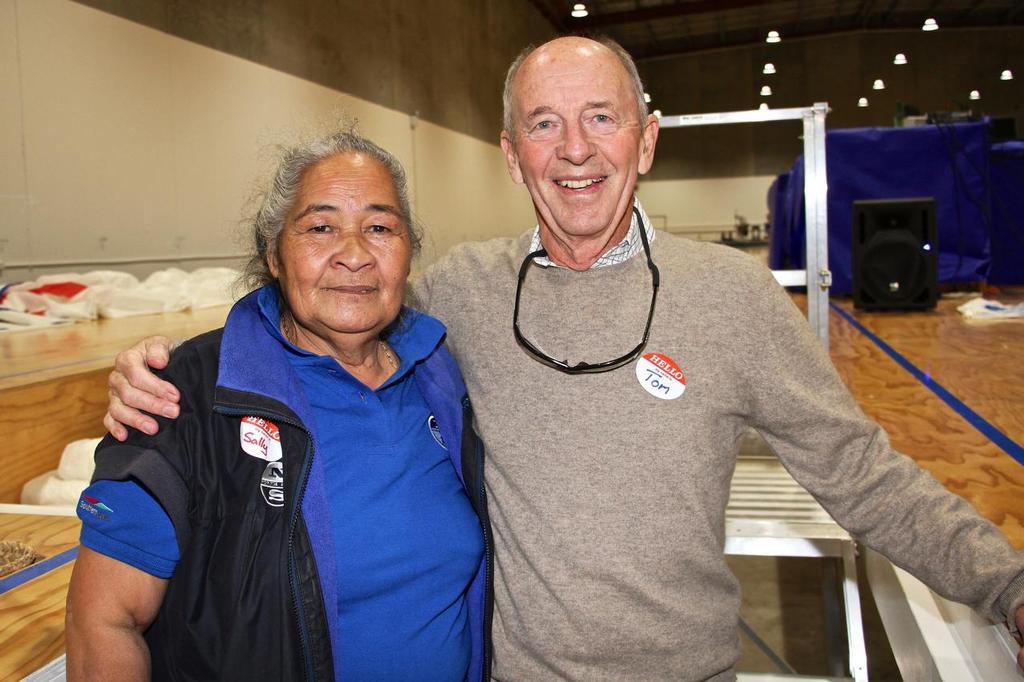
343,256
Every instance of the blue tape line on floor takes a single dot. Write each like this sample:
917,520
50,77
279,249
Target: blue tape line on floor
1008,445
35,570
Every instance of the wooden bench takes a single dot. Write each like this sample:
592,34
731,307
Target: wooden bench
53,385
32,600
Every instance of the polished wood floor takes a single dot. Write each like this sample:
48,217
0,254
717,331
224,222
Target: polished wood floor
32,614
980,363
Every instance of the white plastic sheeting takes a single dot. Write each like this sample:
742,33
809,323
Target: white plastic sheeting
63,485
984,309
106,293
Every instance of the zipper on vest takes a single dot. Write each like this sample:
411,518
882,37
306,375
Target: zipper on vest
488,569
292,578
485,525
307,655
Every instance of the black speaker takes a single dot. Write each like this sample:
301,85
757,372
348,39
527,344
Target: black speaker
895,254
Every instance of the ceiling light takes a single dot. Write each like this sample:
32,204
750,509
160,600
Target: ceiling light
769,68
766,91
974,95
862,102
764,106
930,25
579,10
647,97
1006,75
657,113
900,59
879,85
773,37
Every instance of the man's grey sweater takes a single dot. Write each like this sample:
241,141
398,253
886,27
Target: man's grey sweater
608,503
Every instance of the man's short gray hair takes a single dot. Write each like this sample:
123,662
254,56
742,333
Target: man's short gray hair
279,198
624,58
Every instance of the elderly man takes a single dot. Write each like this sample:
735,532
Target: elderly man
608,470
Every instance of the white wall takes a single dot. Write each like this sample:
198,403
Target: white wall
119,144
464,187
13,194
704,208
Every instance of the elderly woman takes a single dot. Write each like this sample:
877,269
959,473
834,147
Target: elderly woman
317,510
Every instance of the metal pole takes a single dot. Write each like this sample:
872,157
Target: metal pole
819,277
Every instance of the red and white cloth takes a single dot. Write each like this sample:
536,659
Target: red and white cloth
56,299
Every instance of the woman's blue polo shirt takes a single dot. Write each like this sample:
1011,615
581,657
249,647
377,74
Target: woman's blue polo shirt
408,542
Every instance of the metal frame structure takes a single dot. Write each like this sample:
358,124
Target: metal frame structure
936,640
769,513
816,277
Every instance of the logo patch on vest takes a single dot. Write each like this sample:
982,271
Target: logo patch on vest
272,484
260,438
435,431
660,376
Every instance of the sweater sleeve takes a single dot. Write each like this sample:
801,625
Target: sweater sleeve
801,407
423,286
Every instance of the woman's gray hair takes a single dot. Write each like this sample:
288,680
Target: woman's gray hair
278,199
624,58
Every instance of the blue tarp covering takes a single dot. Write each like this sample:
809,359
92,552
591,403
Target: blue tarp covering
948,162
1007,173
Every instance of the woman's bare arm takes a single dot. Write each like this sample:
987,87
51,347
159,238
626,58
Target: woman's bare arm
110,604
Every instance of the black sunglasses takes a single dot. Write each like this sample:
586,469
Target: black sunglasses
587,367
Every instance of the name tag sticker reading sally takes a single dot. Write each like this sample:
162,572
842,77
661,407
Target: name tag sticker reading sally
660,376
260,438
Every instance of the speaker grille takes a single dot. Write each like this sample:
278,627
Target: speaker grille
894,254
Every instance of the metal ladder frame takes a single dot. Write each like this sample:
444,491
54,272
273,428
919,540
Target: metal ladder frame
776,529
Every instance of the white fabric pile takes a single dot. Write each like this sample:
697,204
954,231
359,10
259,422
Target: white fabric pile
54,299
63,486
984,309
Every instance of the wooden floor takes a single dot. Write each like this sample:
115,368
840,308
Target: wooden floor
32,614
980,363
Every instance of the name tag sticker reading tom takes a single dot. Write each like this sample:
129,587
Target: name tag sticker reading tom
660,376
260,438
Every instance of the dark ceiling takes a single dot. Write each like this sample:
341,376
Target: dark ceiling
660,28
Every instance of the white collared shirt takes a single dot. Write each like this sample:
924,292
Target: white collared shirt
621,252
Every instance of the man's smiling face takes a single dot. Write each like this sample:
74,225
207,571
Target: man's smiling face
578,146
